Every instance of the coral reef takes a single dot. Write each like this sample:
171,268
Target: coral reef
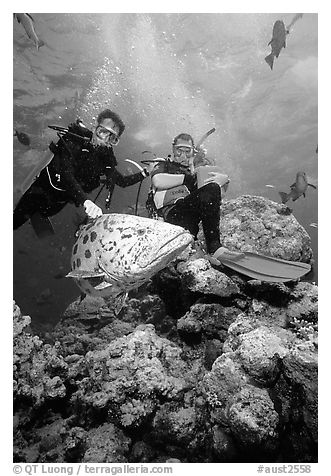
201,365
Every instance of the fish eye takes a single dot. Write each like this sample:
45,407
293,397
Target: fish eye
141,231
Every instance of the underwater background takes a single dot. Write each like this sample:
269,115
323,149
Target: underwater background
164,73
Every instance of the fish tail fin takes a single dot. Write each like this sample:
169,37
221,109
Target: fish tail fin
82,297
39,44
284,196
270,60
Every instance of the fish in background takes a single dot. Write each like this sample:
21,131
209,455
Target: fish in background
27,22
313,225
298,188
22,137
277,42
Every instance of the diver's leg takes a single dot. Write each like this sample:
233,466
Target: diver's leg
185,213
53,208
36,200
210,202
209,199
26,207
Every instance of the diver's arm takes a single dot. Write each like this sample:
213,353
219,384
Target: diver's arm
164,181
78,195
161,181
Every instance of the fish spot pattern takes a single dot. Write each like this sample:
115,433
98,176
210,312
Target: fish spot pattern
87,254
75,249
93,236
85,239
78,262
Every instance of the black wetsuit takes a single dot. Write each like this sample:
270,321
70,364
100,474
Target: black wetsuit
202,204
73,173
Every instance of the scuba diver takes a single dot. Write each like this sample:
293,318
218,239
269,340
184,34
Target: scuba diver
176,197
80,158
184,192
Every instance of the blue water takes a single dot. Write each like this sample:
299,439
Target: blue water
164,74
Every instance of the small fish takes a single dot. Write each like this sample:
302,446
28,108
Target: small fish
115,253
277,42
22,137
298,188
313,225
270,186
28,24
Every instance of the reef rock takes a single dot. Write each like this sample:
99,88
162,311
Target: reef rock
253,223
198,276
106,444
201,365
211,320
263,389
38,368
129,376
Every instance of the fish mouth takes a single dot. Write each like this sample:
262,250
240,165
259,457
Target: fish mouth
164,247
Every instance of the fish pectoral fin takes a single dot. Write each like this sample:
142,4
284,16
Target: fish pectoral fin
293,186
312,182
119,302
81,274
102,286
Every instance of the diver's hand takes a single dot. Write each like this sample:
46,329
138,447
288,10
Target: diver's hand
91,209
222,179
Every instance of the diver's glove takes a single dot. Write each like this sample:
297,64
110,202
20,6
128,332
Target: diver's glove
190,180
91,209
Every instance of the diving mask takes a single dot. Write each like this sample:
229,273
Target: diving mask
106,134
180,150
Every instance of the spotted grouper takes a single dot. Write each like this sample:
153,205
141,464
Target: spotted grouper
115,253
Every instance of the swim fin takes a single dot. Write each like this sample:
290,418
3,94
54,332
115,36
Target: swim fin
267,268
42,225
30,178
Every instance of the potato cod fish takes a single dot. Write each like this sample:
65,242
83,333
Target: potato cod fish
115,253
277,42
298,188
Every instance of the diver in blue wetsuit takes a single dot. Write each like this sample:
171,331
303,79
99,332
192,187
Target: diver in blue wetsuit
80,158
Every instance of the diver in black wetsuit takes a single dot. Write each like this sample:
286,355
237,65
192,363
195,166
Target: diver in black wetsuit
178,200
81,157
